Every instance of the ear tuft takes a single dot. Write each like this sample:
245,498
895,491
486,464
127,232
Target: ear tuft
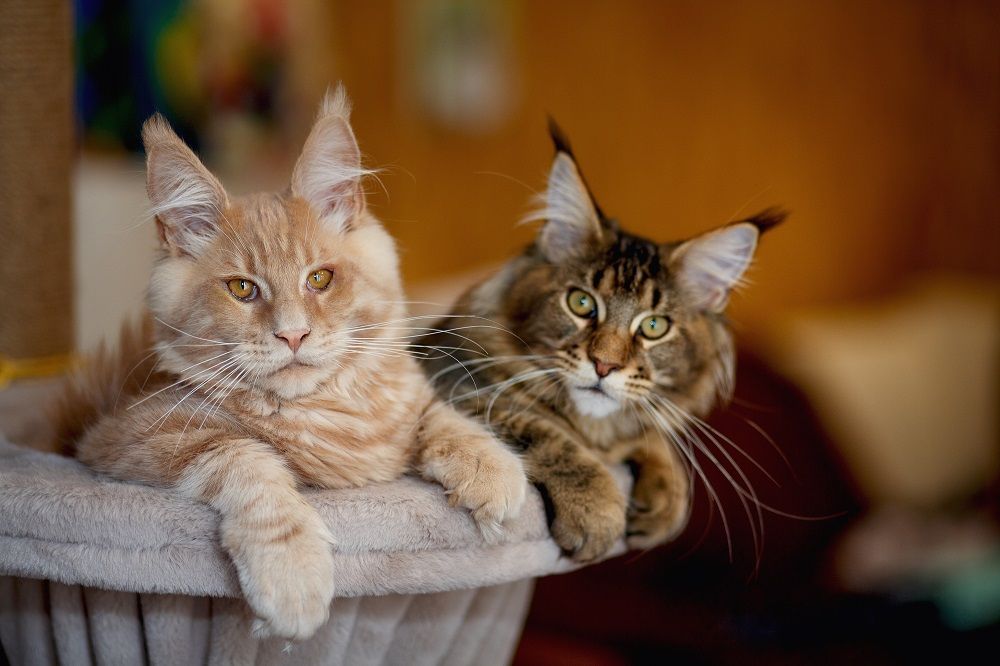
328,173
572,224
336,103
767,219
559,140
187,200
710,266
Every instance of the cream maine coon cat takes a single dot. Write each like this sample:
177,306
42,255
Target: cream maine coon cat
273,357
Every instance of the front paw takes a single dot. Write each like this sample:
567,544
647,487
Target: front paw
587,522
286,576
659,510
492,485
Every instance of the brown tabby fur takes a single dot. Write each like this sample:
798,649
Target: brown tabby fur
208,399
541,388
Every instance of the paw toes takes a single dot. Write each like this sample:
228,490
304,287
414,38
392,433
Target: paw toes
491,530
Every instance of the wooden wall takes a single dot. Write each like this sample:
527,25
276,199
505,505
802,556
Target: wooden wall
876,123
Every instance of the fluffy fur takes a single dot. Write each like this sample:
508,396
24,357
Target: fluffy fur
239,402
573,392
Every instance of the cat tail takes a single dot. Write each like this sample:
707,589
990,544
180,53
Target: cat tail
102,384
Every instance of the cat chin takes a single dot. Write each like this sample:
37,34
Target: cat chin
294,382
593,404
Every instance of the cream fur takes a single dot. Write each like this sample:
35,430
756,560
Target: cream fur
211,401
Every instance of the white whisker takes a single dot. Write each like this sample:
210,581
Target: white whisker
191,335
183,379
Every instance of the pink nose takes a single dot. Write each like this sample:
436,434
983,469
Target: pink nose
293,337
604,369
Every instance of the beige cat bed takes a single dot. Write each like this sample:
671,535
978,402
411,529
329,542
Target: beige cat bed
98,571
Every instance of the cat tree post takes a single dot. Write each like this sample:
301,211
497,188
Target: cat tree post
36,149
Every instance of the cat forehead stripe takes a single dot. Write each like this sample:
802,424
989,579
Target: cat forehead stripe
627,264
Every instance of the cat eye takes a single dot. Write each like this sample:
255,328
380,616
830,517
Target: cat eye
243,289
320,280
581,303
654,327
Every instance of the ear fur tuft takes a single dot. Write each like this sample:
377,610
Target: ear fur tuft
559,139
336,103
328,173
767,219
572,224
187,200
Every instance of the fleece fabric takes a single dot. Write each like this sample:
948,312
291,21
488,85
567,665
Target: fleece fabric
91,565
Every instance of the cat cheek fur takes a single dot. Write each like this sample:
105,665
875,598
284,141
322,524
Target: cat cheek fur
375,248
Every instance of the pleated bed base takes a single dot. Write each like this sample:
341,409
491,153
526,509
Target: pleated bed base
44,623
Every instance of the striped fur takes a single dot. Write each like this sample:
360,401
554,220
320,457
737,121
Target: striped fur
543,389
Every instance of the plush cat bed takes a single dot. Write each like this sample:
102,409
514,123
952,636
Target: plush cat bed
59,522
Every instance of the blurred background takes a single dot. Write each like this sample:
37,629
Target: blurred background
870,330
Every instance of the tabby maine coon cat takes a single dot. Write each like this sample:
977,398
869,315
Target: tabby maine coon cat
275,356
621,344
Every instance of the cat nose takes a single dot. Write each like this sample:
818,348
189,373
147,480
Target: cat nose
293,337
604,369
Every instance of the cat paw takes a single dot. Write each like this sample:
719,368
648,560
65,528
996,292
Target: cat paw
659,511
586,525
287,580
492,486
647,528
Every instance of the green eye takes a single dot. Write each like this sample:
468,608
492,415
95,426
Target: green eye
581,303
243,289
654,327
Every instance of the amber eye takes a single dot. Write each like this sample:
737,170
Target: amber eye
654,327
320,280
243,289
581,303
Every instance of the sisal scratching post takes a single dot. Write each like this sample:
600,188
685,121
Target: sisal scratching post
36,149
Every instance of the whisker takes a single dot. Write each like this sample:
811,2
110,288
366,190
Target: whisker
183,379
746,496
713,433
216,399
376,354
163,419
546,386
193,335
404,345
668,431
516,379
478,391
135,367
232,386
492,360
229,372
769,440
497,324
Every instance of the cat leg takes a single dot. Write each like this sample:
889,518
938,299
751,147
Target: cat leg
586,508
477,471
661,500
279,544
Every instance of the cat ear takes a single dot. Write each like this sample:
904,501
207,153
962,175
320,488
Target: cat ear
187,200
711,265
328,173
572,220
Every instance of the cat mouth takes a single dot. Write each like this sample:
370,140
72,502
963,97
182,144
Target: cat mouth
294,364
594,401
